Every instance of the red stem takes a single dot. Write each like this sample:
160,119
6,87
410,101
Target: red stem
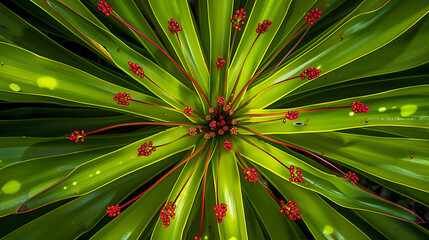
204,189
140,123
290,51
166,54
165,175
295,147
169,94
283,113
241,69
228,62
247,103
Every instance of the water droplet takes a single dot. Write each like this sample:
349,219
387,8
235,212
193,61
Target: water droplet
15,87
382,109
64,188
74,183
408,110
11,187
351,114
47,82
98,172
298,124
328,229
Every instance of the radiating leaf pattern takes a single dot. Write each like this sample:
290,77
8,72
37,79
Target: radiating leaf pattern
188,119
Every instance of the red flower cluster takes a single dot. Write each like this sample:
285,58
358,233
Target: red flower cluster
263,27
166,213
220,62
113,210
236,20
290,209
352,177
188,111
122,98
295,176
227,145
292,115
220,101
104,8
220,211
311,73
75,136
313,15
135,68
252,174
359,107
146,149
174,26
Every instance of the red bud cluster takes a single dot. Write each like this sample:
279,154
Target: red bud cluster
146,149
220,211
236,20
113,210
174,26
227,145
188,111
263,27
135,68
313,15
166,213
295,176
104,8
122,98
290,209
352,177
292,115
359,107
76,135
311,73
220,62
251,174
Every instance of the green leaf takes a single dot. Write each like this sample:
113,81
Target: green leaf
184,201
373,155
131,223
335,188
219,43
405,52
27,73
277,225
394,228
325,222
107,168
405,107
234,223
274,11
100,39
80,215
193,58
364,33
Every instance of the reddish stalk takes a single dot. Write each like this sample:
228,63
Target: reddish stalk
187,180
169,94
139,123
204,189
200,90
241,70
259,93
165,175
228,62
283,113
295,147
290,51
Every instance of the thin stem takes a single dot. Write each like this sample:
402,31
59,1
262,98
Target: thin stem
139,123
290,51
295,147
283,113
269,154
204,188
241,69
187,180
228,62
177,139
165,175
169,94
217,172
270,60
259,93
166,54
156,105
